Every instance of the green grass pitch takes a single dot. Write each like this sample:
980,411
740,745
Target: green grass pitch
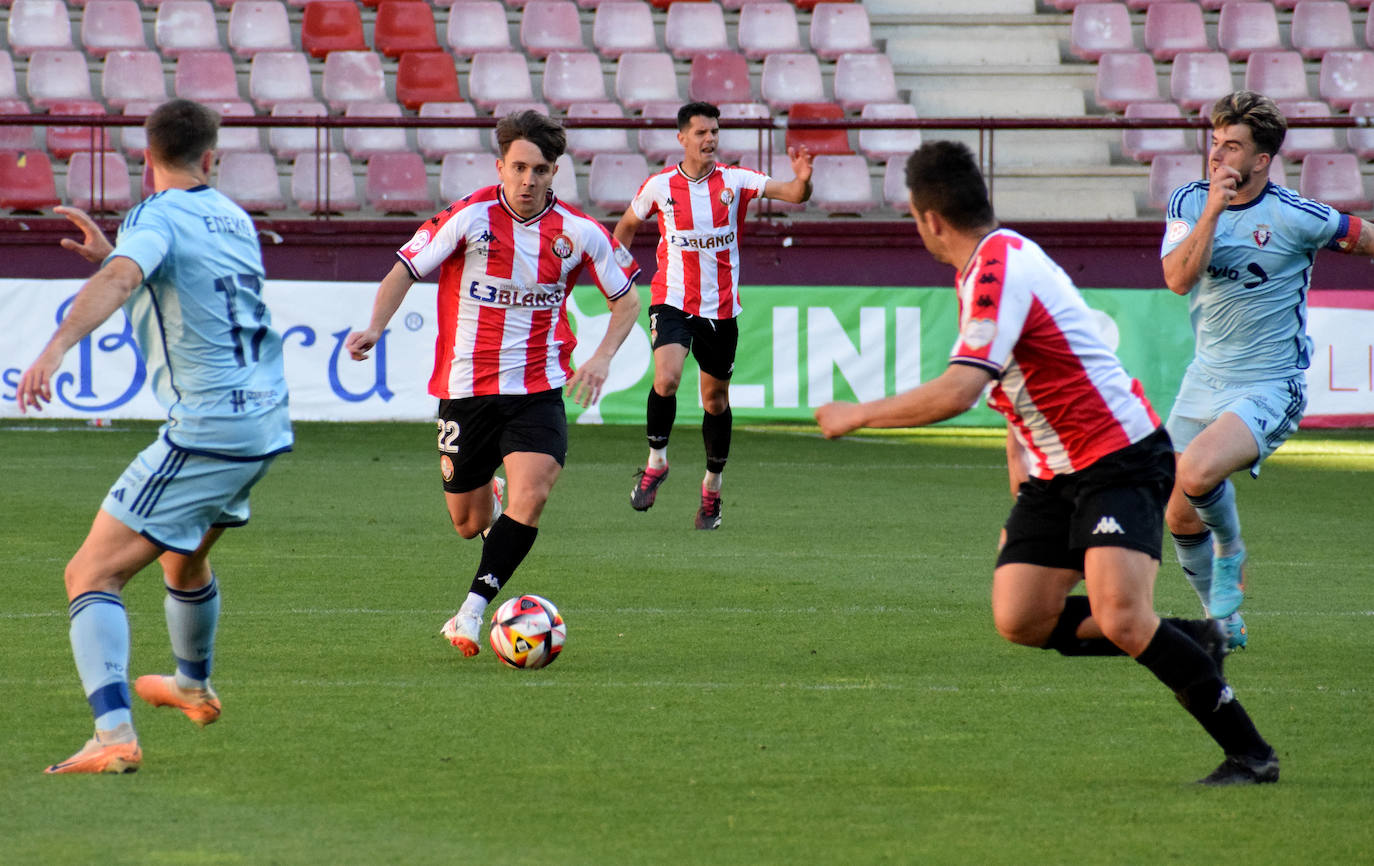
817,682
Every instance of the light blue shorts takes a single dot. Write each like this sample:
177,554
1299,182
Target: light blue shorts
172,496
1271,410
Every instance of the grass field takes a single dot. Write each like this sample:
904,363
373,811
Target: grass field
817,682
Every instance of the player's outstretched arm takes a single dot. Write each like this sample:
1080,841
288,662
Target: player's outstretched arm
389,296
99,297
627,228
952,393
584,386
93,246
798,189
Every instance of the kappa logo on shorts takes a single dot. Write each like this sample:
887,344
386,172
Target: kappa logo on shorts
1108,526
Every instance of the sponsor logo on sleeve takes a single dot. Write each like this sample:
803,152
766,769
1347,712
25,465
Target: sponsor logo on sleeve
1178,230
418,242
978,333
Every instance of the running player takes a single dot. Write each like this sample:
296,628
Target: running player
1089,462
187,270
1241,249
695,298
508,257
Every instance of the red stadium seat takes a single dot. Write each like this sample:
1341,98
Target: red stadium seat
1346,77
187,25
1334,178
810,5
1168,172
719,76
623,26
205,76
765,28
112,25
863,78
614,178
475,26
259,25
250,179
59,75
840,28
464,173
426,76
331,25
1320,26
324,184
1302,141
397,183
498,76
586,143
789,78
1143,145
818,141
99,182
694,28
279,76
1277,74
15,137
841,184
1100,28
883,144
131,75
352,76
26,181
1200,78
550,25
436,142
642,77
1244,28
63,141
573,76
39,25
1172,28
1126,78
404,25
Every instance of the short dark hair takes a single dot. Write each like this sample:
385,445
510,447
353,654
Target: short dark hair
695,109
180,130
1268,126
943,176
538,129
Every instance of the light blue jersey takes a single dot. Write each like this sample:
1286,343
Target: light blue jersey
214,360
1249,308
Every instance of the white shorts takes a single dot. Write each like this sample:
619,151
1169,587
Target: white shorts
172,496
1271,410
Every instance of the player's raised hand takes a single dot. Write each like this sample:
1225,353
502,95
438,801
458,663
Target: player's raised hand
801,162
1223,187
359,343
94,246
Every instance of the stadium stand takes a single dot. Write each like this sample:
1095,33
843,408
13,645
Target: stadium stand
324,183
840,28
646,76
573,76
1244,28
1360,140
251,180
38,25
1346,77
461,173
15,137
189,25
279,76
499,76
586,143
765,28
1173,28
719,76
614,179
1143,145
26,181
694,28
789,78
818,141
63,141
352,76
206,76
660,144
426,76
1320,26
620,27
841,185
129,75
289,142
1100,28
1302,141
404,25
734,143
1199,78
1277,74
364,142
99,182
1334,178
435,142
550,25
1168,172
1124,78
861,78
398,183
331,25
112,25
258,25
475,26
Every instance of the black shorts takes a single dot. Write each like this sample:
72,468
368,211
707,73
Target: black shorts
711,341
476,434
1116,502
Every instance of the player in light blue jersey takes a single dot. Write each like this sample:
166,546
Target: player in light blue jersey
1241,249
187,270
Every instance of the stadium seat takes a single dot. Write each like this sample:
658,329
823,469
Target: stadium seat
586,143
464,173
694,28
1143,145
63,141
259,25
363,142
26,181
1100,28
279,76
1301,141
133,140
623,26
789,78
1125,78
880,145
660,144
9,82
841,185
565,182
235,138
397,183
475,26
112,25
864,78
58,75
1278,171
1143,5
573,76
1277,74
818,141
1244,28
499,76
352,76
15,137
1320,26
550,25
131,75
435,142
895,193
204,76
614,178
1199,78
426,76
719,76
324,183
1346,77
734,143
1334,178
331,25
1360,139
765,28
1172,28
99,182
250,179
404,25
1168,172
645,76
840,28
811,5
1369,30
288,142
38,25
186,25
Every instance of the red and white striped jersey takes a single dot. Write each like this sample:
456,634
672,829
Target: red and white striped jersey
504,282
698,226
1069,400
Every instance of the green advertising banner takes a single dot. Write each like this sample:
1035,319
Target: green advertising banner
801,347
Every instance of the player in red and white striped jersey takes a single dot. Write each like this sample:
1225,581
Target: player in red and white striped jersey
1091,466
699,204
508,258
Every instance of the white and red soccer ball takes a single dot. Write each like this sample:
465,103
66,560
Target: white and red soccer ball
527,632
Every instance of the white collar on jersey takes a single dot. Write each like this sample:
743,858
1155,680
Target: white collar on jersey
548,206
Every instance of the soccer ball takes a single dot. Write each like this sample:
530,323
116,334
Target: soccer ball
527,632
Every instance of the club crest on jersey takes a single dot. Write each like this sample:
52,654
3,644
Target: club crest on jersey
623,257
727,196
1262,236
978,333
562,246
418,242
1178,230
